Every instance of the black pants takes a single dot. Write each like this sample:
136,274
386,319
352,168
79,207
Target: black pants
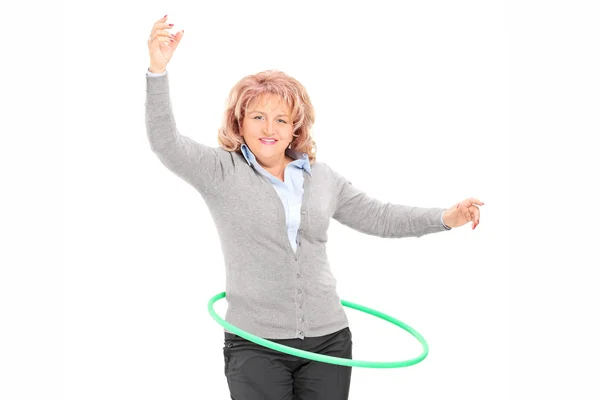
255,372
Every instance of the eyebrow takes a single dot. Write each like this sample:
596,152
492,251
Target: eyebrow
278,115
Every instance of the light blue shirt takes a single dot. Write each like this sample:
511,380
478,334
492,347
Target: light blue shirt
290,191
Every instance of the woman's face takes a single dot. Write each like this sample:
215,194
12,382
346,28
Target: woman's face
267,128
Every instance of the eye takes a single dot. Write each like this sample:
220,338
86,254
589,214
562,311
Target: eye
260,116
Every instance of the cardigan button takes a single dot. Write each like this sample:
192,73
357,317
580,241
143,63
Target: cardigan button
303,212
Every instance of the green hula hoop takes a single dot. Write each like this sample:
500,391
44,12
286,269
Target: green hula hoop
321,357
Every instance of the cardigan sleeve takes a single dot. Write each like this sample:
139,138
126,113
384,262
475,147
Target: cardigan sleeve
365,214
197,164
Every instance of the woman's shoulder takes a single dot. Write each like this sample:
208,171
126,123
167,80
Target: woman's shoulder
324,170
332,175
323,166
320,167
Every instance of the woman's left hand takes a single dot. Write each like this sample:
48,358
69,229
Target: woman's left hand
462,212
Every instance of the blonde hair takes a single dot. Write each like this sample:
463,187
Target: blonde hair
251,88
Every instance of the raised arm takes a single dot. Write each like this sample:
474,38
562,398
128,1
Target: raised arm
197,164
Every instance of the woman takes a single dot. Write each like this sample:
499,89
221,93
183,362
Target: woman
271,202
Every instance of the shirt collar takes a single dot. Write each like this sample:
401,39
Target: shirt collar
301,160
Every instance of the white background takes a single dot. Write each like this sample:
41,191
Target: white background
108,259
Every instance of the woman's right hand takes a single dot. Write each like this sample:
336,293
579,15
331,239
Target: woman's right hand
161,47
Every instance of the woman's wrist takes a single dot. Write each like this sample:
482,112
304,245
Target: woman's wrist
156,70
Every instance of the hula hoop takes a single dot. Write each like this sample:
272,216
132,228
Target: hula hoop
321,357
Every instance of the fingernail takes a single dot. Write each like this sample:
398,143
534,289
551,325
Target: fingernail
170,24
165,16
457,205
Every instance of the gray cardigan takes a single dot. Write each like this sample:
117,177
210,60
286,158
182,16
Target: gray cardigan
272,291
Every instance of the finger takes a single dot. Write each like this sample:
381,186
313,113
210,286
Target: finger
474,212
171,40
476,215
162,37
473,200
177,38
468,215
162,34
162,25
159,40
158,25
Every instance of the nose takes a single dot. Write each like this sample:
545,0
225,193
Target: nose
268,129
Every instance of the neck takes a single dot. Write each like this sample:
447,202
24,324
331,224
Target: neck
275,167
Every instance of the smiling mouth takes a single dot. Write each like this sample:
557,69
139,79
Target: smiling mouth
264,141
